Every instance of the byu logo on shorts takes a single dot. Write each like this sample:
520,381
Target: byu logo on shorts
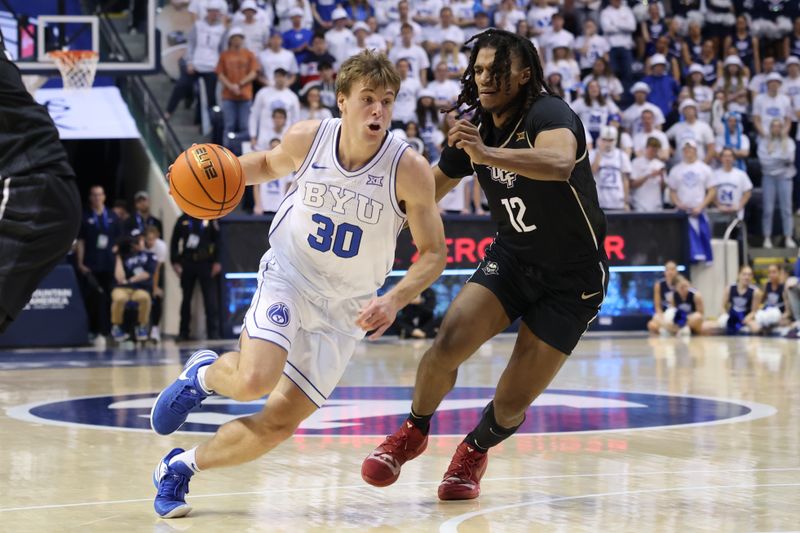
278,314
490,268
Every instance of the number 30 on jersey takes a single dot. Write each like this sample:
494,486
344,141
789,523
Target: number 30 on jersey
516,211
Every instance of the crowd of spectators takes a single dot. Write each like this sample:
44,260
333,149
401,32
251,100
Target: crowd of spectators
687,104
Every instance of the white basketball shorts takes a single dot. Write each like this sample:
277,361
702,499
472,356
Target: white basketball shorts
319,334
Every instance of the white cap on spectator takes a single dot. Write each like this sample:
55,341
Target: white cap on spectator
339,13
609,133
689,142
235,31
248,4
658,59
640,86
296,12
774,76
426,92
733,60
687,103
793,60
694,67
360,25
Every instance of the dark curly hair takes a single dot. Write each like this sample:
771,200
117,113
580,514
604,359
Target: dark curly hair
505,43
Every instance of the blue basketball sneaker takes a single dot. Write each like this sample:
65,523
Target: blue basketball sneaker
172,482
174,404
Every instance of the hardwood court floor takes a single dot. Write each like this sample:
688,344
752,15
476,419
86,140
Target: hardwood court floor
699,435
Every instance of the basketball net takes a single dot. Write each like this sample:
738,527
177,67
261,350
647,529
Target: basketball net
77,68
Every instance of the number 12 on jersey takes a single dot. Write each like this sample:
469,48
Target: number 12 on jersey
517,204
345,239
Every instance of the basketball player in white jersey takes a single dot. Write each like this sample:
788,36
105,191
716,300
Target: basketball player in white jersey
332,245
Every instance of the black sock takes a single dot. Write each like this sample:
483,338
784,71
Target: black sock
421,422
488,432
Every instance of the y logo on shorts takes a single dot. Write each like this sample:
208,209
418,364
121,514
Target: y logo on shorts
278,314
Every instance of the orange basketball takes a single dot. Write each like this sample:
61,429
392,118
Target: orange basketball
207,181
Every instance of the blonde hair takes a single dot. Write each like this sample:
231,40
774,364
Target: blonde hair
375,69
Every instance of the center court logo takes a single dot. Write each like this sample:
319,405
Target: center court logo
378,411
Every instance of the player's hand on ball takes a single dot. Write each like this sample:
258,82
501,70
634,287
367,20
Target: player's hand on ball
377,316
465,135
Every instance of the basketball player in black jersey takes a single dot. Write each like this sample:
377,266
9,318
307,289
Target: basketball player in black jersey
547,264
39,202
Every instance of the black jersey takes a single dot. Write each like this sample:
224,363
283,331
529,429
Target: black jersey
773,296
688,305
551,224
665,291
741,303
28,138
745,48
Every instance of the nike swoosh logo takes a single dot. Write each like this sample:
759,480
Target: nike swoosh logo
585,296
314,165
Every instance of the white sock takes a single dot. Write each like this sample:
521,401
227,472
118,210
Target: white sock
187,458
201,379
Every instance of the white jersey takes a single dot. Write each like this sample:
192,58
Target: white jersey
610,180
338,228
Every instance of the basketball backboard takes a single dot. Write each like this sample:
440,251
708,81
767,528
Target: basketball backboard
121,31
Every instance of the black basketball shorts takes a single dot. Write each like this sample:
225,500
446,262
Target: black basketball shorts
557,306
40,215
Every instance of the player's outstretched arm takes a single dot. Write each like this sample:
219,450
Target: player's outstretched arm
416,190
552,157
260,167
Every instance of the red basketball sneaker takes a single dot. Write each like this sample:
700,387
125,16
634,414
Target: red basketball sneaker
462,481
382,467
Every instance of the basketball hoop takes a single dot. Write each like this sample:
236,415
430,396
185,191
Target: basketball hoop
77,67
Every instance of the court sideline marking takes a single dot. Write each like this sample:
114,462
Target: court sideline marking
451,526
417,483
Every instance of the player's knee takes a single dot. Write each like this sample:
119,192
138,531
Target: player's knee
446,349
277,426
253,385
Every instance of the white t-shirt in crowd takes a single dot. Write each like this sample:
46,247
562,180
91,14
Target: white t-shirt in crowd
405,104
447,90
632,116
270,61
455,199
648,196
700,131
731,186
597,47
416,55
540,19
438,34
770,108
690,181
393,30
594,116
340,42
271,193
160,250
610,181
640,140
